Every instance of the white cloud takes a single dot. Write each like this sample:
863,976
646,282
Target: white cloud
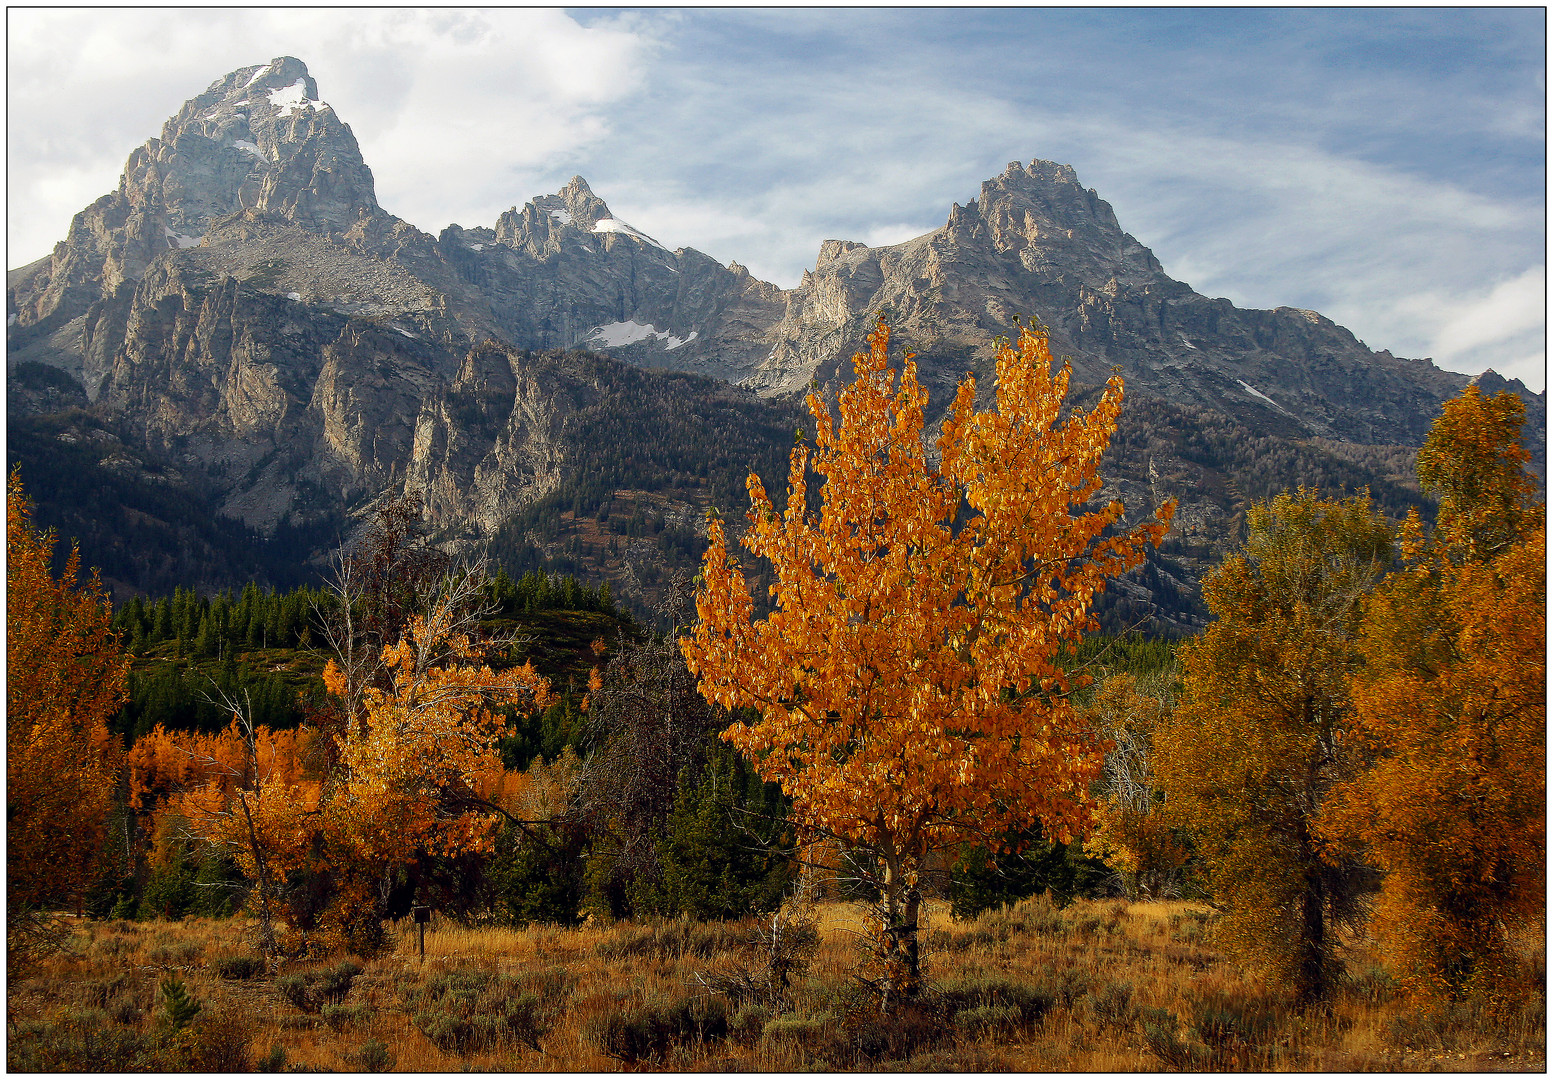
454,110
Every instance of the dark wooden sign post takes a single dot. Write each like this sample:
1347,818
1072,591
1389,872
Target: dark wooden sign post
422,915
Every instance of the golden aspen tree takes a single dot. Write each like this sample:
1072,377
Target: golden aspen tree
65,677
1452,703
415,770
1133,834
907,681
1263,731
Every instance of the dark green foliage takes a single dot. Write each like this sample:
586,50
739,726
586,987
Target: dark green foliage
196,883
536,591
147,528
647,1030
1125,654
544,734
537,874
980,881
178,1007
719,855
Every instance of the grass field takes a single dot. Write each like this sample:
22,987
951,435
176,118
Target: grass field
1101,986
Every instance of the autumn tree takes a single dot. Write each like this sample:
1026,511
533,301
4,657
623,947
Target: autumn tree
1133,834
65,677
1264,729
907,681
1451,701
410,769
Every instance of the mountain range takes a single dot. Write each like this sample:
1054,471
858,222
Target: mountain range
242,325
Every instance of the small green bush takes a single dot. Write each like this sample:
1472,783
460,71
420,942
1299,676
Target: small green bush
310,991
648,1031
468,1010
1110,1005
273,1062
978,994
988,1018
40,1046
179,1008
375,1057
340,1017
220,1042
798,1027
748,1022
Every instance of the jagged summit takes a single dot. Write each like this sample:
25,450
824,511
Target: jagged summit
575,209
258,141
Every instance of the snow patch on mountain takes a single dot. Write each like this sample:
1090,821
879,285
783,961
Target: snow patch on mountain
1257,393
288,99
244,144
618,335
615,225
182,241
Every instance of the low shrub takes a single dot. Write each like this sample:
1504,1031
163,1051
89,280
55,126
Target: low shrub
273,1062
468,1010
748,1022
34,1046
1162,1035
913,1028
797,1027
993,1000
238,967
340,1017
1109,1005
647,1031
220,1042
310,991
375,1057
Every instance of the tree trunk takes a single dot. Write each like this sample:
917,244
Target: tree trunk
901,907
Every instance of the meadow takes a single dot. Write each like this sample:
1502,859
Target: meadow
1098,986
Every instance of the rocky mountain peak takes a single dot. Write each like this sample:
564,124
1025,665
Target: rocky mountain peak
573,212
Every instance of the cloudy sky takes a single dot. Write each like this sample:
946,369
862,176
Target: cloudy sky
1382,166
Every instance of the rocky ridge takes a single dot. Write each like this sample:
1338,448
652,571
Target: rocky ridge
245,312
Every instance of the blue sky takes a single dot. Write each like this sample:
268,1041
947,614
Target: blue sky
1382,166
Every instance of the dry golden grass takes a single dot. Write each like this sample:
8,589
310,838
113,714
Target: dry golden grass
1105,986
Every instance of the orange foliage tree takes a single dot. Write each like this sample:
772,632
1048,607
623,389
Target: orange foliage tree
1263,731
65,677
1452,703
414,769
907,681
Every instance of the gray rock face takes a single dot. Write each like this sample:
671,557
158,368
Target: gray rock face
243,306
257,139
565,272
1035,243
